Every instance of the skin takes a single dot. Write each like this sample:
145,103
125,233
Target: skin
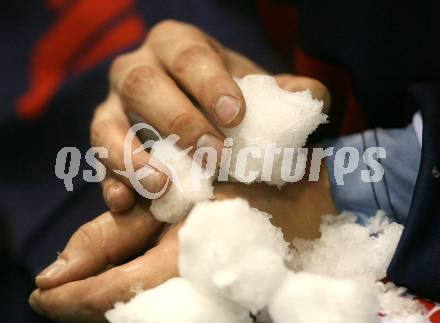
176,62
95,276
159,82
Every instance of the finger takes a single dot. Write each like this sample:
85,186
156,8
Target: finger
104,241
239,66
147,91
109,129
188,56
87,300
117,195
300,83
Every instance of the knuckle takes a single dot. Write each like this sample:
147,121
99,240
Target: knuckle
98,129
164,26
181,121
84,233
216,45
99,110
91,233
190,55
118,65
138,81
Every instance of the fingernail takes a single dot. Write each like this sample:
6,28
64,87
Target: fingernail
227,108
54,269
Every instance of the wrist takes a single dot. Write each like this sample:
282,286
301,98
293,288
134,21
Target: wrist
296,208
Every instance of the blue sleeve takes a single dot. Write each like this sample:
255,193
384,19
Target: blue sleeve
393,193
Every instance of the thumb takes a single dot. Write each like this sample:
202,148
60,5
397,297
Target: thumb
295,83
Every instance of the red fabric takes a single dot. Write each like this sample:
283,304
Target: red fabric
58,51
433,310
279,23
345,111
56,55
128,32
434,315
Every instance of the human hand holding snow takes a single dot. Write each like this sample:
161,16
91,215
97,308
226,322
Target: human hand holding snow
88,253
86,283
154,81
91,274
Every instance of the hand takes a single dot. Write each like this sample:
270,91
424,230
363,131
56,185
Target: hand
297,208
175,66
86,279
81,290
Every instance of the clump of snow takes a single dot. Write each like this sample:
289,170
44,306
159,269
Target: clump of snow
273,116
396,307
349,250
412,318
184,190
275,119
263,316
232,262
177,301
304,298
233,249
